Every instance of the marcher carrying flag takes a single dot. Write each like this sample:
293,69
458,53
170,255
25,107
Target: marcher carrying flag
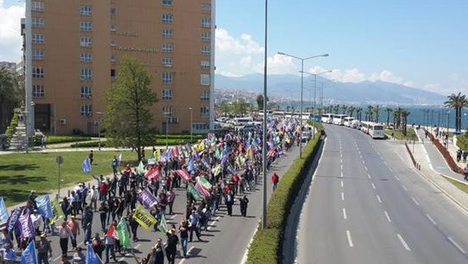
87,168
124,234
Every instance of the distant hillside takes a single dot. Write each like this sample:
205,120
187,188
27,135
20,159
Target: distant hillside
288,87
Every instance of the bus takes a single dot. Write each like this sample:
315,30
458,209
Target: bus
348,121
339,119
376,131
365,126
327,118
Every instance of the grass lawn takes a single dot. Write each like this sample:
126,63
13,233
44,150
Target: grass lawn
410,134
459,185
20,173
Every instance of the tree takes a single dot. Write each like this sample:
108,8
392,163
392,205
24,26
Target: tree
10,96
458,102
225,107
260,101
351,110
397,118
241,107
377,113
369,113
359,113
404,118
388,110
128,119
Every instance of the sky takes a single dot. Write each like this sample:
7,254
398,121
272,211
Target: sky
418,43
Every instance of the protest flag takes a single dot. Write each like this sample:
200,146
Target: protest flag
201,190
91,257
29,255
87,168
57,212
123,234
144,218
44,206
163,225
193,192
111,232
3,213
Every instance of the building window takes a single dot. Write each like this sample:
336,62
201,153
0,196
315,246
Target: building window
113,43
38,72
167,62
167,33
167,18
167,94
113,28
86,110
86,26
206,36
38,39
113,11
113,58
86,10
205,64
37,22
37,6
205,79
167,47
86,92
205,7
85,42
167,77
206,51
37,55
206,22
200,126
38,91
113,74
167,111
205,96
86,74
167,2
204,111
86,57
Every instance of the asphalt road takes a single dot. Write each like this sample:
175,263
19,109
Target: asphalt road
367,204
227,237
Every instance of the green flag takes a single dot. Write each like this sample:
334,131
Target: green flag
141,168
192,191
163,225
57,212
205,183
124,235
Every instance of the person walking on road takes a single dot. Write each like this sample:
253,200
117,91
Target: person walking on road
64,234
465,171
171,246
274,180
183,230
229,202
43,247
75,230
244,201
194,225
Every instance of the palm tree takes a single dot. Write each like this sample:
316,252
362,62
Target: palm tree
369,113
351,110
287,108
359,113
388,110
377,113
336,109
397,117
344,109
458,102
404,118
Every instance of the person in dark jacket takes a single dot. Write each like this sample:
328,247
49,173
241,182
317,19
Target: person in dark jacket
244,201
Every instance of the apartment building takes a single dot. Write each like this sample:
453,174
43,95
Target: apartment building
76,48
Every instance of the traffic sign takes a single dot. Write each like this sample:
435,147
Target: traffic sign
59,160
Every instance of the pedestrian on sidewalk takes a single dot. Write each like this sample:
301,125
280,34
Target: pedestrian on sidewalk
244,201
183,231
43,247
274,180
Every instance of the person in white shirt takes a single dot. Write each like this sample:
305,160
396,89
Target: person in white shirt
94,196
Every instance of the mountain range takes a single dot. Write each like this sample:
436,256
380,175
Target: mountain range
288,87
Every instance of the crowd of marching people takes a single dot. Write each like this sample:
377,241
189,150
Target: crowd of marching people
215,172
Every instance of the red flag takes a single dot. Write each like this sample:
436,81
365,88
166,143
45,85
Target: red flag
154,173
202,190
175,152
112,232
184,175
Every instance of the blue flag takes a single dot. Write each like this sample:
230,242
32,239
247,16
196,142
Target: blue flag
91,257
3,213
29,255
87,166
44,206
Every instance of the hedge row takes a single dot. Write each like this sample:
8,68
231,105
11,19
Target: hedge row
59,139
267,244
180,136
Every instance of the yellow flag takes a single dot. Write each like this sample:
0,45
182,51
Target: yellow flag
144,218
57,211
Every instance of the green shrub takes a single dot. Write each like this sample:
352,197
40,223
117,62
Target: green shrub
462,141
11,129
267,244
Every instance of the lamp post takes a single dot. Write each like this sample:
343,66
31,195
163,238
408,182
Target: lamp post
99,129
448,125
264,132
315,86
191,125
302,90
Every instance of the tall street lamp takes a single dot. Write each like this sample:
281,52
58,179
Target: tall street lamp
302,90
191,125
315,86
264,132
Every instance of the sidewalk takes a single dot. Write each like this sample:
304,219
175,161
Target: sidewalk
435,169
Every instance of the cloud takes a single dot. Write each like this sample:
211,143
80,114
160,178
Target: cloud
278,64
10,31
244,45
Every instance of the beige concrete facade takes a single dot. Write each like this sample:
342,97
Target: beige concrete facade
174,39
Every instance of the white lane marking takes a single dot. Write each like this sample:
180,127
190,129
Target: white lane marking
403,242
397,178
415,201
188,252
341,166
369,176
341,174
137,246
172,217
456,245
404,188
212,223
388,217
365,167
390,169
378,198
345,216
373,185
430,219
342,184
342,196
363,162
350,241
